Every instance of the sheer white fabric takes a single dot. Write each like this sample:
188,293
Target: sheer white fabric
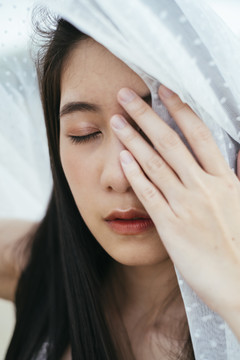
181,43
25,179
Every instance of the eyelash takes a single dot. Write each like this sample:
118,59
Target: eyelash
84,138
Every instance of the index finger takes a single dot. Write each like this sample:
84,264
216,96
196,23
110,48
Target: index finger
165,140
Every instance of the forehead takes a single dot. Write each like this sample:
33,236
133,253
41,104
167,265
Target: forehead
92,72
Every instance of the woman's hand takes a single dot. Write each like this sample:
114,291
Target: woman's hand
194,204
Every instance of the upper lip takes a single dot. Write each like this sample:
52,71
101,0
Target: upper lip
127,214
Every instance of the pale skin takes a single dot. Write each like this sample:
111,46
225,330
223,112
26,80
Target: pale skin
201,239
206,234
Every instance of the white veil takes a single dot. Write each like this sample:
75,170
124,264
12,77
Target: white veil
164,41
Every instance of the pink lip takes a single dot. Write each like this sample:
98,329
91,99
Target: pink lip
129,222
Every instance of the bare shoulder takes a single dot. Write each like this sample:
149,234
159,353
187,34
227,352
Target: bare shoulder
15,236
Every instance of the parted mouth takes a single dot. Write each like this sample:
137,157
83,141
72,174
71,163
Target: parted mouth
128,214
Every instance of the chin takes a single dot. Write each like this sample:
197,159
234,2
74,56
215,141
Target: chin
141,257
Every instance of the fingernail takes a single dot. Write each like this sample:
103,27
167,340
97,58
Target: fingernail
125,157
126,95
165,92
118,122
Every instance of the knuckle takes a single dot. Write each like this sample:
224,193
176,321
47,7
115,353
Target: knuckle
169,140
131,136
134,172
178,107
149,193
232,186
140,109
201,133
154,164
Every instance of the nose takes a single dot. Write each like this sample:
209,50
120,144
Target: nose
112,175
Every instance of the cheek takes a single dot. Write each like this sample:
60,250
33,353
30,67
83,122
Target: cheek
75,167
81,175
80,172
73,164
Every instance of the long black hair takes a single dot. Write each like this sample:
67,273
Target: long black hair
60,292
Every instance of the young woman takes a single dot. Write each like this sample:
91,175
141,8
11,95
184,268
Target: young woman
129,202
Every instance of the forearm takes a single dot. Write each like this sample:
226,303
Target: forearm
232,318
227,303
14,252
8,286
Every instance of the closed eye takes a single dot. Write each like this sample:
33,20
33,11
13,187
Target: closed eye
84,138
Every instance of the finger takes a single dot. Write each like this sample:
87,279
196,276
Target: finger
150,161
238,165
196,132
165,139
151,198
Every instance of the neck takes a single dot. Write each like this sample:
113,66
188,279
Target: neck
144,293
145,310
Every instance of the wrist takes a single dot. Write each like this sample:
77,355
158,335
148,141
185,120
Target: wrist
233,321
228,305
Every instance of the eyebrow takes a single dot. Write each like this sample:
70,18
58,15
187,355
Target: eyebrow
75,106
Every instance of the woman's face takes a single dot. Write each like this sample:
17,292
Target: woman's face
90,80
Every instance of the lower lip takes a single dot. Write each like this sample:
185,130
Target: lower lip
130,227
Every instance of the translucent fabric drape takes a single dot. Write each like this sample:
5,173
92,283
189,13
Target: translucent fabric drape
164,41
